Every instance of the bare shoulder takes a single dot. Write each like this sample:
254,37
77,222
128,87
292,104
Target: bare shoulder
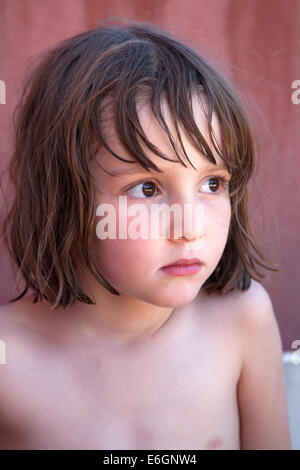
15,314
244,307
250,318
11,314
14,328
256,302
254,309
256,316
261,387
29,342
24,329
243,315
25,313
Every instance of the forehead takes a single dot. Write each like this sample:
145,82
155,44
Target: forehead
157,137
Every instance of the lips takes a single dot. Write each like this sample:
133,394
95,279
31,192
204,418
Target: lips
183,267
185,262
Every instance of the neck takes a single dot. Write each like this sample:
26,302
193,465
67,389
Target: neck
117,319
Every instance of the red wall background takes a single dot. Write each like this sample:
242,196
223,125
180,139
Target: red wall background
255,43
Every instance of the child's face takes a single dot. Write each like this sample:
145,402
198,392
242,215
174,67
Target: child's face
133,266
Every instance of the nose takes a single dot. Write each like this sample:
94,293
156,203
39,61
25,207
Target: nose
187,221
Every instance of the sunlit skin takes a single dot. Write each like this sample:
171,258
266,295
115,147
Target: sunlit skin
162,365
148,296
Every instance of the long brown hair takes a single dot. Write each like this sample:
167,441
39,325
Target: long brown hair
49,227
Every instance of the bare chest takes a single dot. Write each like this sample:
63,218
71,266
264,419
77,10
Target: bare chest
183,400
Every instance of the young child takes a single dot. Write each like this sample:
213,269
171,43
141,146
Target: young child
126,341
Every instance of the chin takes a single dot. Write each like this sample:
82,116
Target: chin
174,299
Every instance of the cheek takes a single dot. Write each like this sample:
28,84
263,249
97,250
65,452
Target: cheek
217,223
223,219
129,257
123,260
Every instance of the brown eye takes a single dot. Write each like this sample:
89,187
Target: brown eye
148,188
214,184
143,190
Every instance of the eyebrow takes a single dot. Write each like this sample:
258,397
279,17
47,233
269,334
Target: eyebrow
219,166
